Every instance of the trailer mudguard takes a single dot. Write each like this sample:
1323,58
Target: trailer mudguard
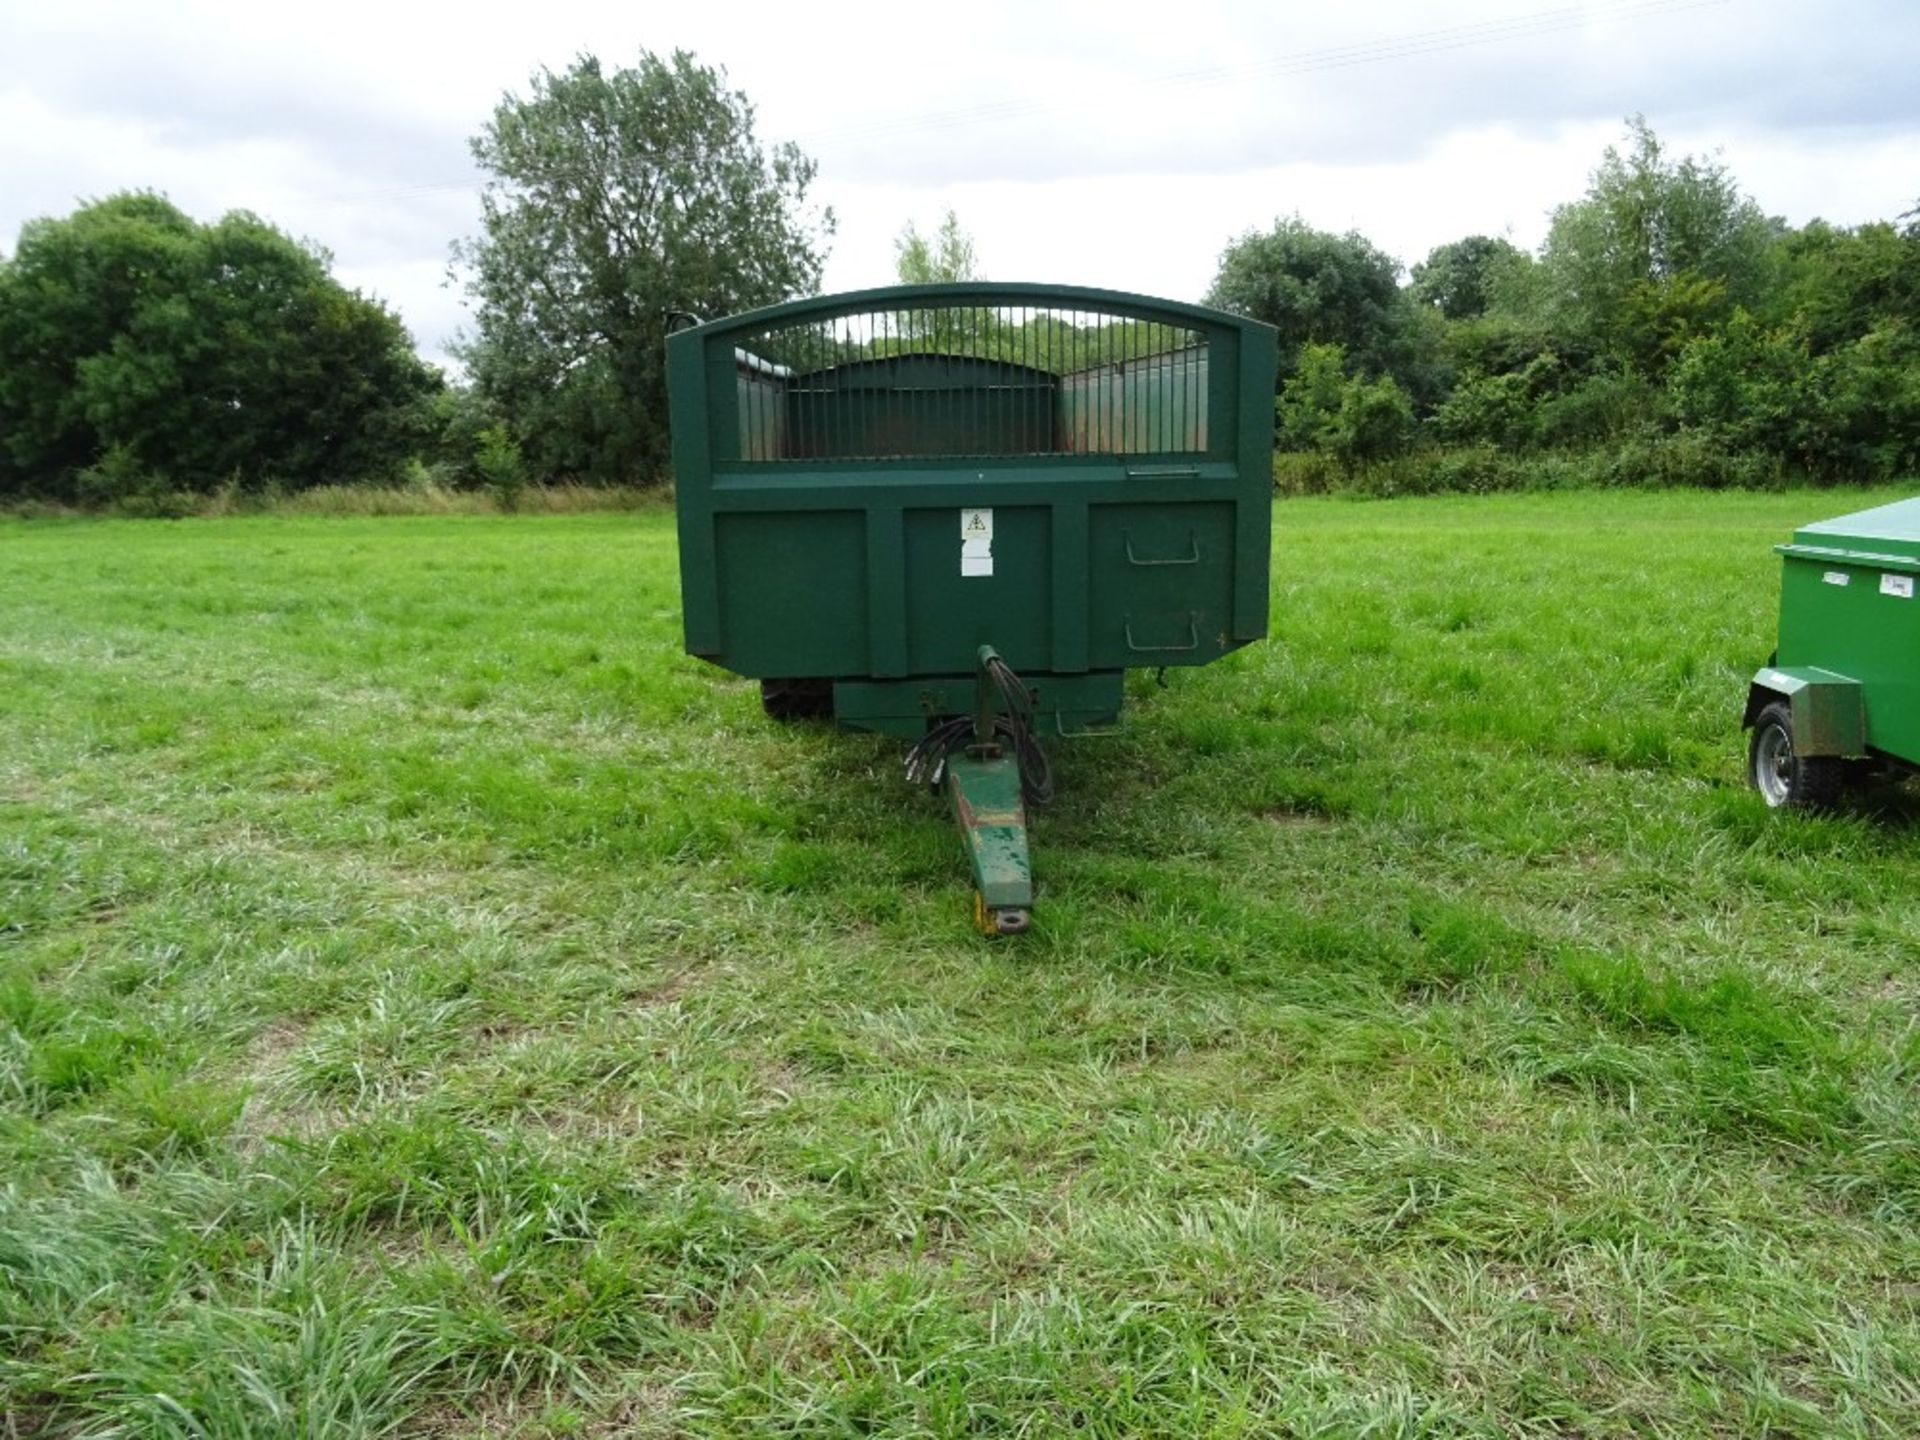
1829,710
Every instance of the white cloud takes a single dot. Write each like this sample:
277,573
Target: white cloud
1119,145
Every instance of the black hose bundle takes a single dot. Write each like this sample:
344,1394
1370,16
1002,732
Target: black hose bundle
927,760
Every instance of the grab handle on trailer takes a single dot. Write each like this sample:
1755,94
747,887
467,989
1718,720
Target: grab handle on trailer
1193,637
1192,557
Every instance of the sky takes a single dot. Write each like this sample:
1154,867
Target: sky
1116,145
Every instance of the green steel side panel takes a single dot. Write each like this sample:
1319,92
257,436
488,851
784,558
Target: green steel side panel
1860,621
812,565
1829,716
761,398
950,615
1884,530
1148,415
1254,353
693,498
971,407
1161,583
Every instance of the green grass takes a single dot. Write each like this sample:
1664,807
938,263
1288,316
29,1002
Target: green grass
430,1004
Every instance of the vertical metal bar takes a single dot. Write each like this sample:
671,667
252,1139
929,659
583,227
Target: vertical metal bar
1199,396
1160,378
1092,395
973,326
1100,396
1151,415
1018,379
1062,441
1050,394
1080,402
1158,414
1036,332
1186,392
1049,365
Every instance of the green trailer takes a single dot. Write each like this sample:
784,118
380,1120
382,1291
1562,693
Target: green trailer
1842,692
958,514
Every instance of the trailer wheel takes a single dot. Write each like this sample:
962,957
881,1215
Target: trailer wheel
1785,777
797,699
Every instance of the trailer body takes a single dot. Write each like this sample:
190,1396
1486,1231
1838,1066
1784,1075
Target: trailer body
872,486
1844,683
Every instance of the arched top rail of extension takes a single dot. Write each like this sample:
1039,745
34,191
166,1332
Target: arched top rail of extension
974,371
974,294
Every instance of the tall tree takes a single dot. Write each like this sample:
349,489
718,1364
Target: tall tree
617,196
194,355
1461,279
1318,288
1656,250
946,257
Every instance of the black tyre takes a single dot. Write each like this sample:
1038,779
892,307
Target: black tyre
1782,775
797,699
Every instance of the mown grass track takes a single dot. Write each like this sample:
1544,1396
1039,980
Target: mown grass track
431,1004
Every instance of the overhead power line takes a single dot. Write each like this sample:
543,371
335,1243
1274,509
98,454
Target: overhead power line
1332,57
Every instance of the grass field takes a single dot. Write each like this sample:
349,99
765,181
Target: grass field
430,1003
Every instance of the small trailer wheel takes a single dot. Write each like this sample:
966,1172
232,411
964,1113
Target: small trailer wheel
1782,775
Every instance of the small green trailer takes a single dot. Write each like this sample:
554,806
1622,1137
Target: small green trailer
959,513
1843,689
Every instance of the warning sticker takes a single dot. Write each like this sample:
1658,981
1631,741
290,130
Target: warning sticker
1901,585
1837,577
976,542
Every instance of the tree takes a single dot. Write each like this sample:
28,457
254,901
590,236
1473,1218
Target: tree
1461,279
949,256
150,351
1656,251
616,197
1318,288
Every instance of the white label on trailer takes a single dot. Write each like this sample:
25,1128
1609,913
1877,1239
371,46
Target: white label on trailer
1837,577
1901,585
976,542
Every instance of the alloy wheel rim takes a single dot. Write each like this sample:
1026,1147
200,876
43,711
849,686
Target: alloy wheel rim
1773,765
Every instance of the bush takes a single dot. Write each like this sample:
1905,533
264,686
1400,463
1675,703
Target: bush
116,480
1355,420
1595,409
141,352
503,470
